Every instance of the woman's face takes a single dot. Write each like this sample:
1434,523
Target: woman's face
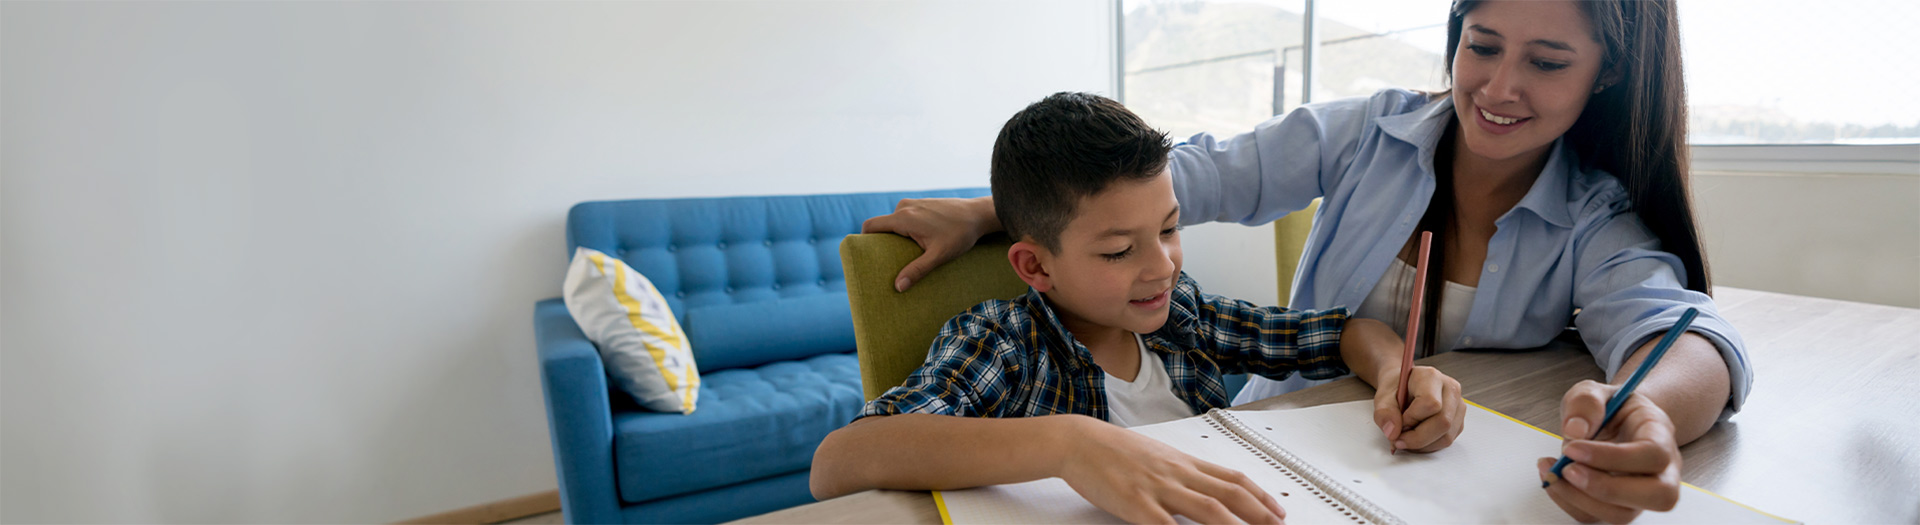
1522,74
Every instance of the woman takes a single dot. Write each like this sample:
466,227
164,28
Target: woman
1553,175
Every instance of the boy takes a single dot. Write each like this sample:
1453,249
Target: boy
1112,334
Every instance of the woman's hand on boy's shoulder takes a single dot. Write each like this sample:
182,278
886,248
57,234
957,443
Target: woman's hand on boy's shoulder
1142,480
944,228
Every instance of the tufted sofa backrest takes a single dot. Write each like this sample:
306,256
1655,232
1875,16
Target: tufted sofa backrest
753,280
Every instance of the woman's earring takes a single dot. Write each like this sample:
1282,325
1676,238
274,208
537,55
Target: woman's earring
1598,88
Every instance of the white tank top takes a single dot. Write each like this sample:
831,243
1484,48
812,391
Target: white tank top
1388,304
1149,398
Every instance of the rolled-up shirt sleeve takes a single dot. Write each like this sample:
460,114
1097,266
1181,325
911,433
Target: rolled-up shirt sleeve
1270,341
1629,291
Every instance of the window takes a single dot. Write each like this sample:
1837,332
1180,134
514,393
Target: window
1778,72
1758,71
1190,67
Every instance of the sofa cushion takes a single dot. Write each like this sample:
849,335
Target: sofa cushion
640,343
734,335
752,423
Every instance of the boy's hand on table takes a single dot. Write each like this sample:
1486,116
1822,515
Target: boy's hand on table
1142,480
1632,465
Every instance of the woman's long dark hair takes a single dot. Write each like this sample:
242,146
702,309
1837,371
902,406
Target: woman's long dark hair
1635,129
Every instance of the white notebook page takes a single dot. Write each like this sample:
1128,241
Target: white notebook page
1486,476
1053,501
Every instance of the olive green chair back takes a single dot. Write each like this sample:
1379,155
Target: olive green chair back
1289,241
892,330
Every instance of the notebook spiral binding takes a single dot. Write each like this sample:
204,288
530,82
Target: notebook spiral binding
1361,508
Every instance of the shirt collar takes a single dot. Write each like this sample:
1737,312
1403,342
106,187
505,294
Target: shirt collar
1073,356
1183,299
1424,127
1042,311
1548,196
1421,128
1180,317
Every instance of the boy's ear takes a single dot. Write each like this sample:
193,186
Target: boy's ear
1029,261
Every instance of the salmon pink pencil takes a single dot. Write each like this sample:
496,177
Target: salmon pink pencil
1413,318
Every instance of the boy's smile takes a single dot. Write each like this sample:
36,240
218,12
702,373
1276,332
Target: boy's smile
1118,260
1157,301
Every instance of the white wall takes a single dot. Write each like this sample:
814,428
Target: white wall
1850,236
275,262
1233,260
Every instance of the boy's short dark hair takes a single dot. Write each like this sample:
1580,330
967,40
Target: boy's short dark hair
1063,148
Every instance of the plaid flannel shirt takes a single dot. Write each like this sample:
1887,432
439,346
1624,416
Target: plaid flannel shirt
1013,358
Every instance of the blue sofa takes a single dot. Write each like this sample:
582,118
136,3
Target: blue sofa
756,284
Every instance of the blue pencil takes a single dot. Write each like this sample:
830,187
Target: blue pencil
1620,396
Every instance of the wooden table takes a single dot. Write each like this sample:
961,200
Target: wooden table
1830,434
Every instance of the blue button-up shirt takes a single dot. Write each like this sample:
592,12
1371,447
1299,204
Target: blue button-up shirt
1573,242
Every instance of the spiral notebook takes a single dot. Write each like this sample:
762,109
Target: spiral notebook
1327,464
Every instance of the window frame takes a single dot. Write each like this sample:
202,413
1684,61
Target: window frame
1878,159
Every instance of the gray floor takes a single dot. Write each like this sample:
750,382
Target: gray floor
551,518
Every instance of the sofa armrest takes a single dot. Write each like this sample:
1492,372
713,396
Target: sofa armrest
579,416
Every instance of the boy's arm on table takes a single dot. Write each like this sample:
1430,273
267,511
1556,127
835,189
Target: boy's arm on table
935,432
940,452
1122,472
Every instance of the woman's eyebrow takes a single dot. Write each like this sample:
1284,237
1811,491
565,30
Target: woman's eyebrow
1555,44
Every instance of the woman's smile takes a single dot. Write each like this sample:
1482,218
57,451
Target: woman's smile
1499,124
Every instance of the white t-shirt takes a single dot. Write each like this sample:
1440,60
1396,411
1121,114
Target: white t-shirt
1149,398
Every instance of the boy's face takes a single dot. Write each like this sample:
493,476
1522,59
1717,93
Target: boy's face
1119,258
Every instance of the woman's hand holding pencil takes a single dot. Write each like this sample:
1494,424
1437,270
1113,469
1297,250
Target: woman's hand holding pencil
1435,412
1631,465
1426,412
1628,458
1434,415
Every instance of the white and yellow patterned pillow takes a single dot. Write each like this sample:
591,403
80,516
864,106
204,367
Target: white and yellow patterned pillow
642,345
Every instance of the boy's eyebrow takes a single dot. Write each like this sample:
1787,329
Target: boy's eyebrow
1122,232
1555,44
